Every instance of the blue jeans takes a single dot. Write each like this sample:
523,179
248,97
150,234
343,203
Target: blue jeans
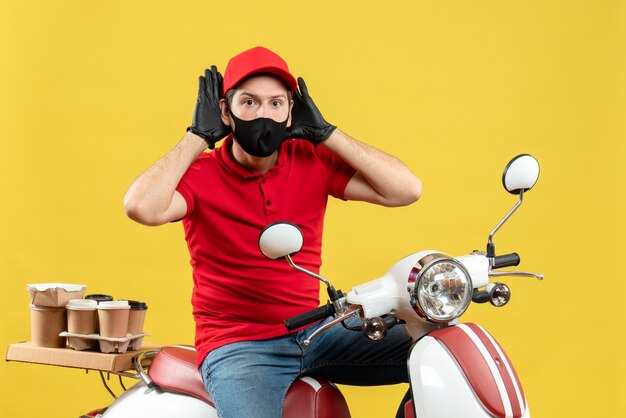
251,378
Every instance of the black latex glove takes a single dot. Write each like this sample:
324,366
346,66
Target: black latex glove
306,120
206,121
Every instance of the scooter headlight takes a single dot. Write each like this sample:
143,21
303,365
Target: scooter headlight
442,288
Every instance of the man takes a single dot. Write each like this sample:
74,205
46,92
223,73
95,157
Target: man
226,197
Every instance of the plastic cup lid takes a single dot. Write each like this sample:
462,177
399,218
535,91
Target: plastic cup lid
99,298
114,304
81,304
137,305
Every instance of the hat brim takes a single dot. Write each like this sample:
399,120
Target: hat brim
285,76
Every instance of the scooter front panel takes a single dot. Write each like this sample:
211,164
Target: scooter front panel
484,366
440,389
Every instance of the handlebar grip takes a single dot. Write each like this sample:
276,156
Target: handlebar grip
309,317
506,260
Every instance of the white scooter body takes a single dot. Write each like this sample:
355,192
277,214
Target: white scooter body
141,401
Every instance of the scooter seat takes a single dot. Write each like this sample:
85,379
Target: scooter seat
174,368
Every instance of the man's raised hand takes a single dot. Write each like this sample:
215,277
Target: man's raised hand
307,121
207,122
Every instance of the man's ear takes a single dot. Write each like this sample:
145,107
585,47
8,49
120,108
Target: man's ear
224,113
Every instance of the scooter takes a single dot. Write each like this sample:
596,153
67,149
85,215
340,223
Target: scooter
455,369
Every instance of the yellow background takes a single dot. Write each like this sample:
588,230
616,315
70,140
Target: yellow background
93,92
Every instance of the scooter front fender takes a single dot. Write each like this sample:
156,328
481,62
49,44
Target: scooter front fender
461,371
140,401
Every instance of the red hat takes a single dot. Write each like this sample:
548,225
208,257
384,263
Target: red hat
254,61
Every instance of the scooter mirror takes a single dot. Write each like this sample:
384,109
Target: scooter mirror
521,173
280,239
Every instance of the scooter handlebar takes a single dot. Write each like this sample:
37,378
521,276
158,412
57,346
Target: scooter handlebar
506,260
309,317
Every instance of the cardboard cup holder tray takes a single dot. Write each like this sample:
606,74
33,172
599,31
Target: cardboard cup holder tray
106,345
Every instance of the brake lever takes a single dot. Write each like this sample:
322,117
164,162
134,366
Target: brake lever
515,274
350,312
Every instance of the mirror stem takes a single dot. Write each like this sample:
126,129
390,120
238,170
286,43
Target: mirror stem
310,273
491,248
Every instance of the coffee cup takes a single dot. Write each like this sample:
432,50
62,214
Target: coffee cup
113,318
136,316
99,298
46,323
82,316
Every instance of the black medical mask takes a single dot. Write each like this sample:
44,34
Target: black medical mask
259,137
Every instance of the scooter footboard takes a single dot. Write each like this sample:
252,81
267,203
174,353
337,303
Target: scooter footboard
462,371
